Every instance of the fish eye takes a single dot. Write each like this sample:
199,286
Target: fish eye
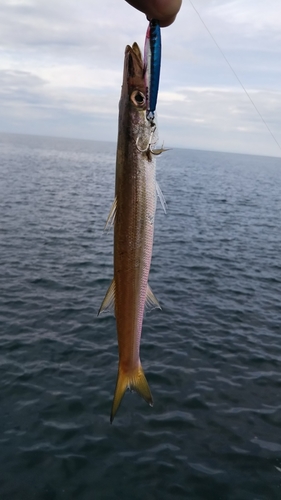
138,98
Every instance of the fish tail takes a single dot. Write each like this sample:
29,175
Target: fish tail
135,381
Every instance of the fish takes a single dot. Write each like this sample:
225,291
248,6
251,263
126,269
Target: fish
132,215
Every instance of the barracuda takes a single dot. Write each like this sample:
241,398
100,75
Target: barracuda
132,215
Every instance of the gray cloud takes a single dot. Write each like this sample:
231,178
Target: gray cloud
61,67
219,119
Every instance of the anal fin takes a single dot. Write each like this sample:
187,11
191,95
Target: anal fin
109,299
151,301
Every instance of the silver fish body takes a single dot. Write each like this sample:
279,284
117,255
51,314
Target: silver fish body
133,214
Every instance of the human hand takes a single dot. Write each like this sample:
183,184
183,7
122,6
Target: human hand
164,11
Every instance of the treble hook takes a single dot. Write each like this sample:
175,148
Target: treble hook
155,152
148,147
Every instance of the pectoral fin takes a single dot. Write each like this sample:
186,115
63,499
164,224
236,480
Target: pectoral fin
161,197
111,216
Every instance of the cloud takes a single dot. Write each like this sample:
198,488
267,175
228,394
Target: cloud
254,18
220,119
15,79
30,104
61,68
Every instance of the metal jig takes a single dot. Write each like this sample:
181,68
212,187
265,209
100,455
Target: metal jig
152,63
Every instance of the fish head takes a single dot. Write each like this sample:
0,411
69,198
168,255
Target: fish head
134,85
133,103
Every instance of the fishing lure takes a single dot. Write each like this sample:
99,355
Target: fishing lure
152,63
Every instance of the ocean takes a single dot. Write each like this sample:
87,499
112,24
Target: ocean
212,355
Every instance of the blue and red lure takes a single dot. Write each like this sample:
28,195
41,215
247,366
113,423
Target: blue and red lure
152,63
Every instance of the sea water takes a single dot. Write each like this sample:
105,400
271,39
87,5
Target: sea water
212,355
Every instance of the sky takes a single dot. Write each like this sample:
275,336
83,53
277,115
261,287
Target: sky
61,66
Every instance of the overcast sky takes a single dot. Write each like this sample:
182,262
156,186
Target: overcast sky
61,65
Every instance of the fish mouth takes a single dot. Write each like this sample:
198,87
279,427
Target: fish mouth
134,53
133,69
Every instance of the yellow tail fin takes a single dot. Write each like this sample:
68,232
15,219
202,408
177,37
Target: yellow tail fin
135,381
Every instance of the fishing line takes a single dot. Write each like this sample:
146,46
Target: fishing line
236,76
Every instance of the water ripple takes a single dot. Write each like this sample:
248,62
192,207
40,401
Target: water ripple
212,355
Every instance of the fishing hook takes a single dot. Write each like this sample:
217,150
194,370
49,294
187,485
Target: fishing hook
148,149
148,146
